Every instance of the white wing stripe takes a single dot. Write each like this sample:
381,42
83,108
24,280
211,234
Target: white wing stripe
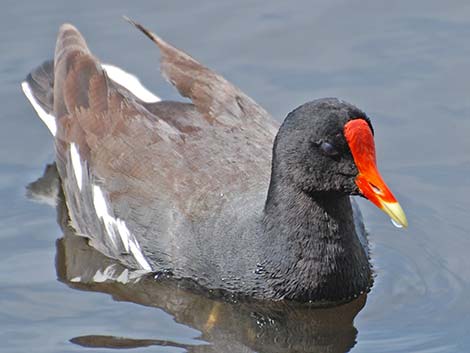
131,82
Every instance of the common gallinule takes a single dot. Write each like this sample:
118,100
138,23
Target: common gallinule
206,191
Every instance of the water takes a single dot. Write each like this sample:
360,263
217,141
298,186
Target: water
405,63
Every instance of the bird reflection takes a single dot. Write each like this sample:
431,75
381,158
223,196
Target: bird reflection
225,325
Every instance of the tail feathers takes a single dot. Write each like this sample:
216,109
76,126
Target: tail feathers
78,75
69,39
39,89
41,82
44,87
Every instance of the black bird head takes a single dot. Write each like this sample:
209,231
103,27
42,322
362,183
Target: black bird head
327,146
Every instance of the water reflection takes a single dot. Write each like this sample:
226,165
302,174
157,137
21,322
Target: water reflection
224,326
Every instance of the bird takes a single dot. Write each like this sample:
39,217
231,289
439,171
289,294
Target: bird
213,193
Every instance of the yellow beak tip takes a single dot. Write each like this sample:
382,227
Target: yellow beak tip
396,213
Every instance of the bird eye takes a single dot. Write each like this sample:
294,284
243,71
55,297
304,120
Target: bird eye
328,149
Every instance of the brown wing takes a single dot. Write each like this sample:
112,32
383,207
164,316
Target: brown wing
158,167
214,97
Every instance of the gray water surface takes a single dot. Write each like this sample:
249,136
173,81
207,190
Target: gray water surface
406,63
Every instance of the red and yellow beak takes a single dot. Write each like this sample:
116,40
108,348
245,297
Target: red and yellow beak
361,143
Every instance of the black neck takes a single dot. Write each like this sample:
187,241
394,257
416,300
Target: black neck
313,252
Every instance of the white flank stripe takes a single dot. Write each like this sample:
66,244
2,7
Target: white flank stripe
113,224
48,119
131,82
102,212
124,233
137,252
76,164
